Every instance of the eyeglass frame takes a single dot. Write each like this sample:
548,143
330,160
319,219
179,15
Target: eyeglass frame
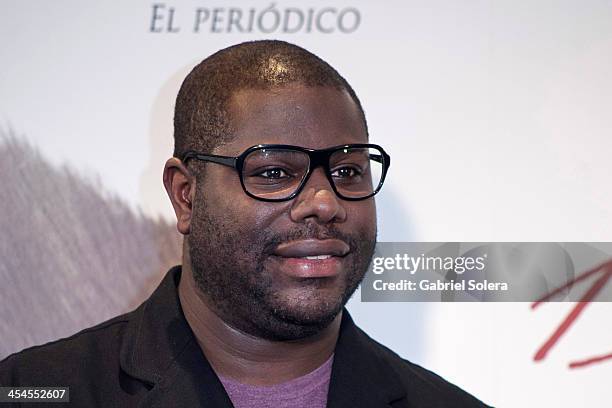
316,157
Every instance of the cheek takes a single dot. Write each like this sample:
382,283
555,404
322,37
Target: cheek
361,216
234,209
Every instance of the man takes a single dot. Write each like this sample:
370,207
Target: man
272,182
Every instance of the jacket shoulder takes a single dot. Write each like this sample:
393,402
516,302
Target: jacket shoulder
420,383
85,356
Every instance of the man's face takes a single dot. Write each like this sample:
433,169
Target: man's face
248,256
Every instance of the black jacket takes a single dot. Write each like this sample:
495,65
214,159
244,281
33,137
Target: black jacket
150,358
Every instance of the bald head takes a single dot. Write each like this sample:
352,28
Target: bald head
201,119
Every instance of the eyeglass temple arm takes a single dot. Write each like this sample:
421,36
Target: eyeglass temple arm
383,158
224,160
377,158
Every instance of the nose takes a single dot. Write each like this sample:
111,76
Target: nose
318,201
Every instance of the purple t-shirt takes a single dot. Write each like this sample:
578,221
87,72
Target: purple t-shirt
307,391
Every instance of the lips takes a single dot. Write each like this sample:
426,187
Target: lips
312,258
312,247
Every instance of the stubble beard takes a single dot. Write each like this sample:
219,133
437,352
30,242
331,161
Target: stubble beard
235,284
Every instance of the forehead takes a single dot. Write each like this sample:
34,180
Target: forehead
313,117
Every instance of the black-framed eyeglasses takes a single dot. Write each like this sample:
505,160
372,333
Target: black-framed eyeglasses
277,172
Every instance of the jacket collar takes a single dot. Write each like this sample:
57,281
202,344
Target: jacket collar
160,350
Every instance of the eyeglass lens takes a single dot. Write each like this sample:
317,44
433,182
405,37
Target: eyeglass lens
275,173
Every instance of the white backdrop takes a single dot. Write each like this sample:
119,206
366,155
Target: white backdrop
496,114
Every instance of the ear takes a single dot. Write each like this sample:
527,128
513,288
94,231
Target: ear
180,186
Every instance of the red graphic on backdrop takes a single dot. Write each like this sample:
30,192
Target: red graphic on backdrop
603,274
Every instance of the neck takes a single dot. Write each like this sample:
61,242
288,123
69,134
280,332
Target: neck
243,357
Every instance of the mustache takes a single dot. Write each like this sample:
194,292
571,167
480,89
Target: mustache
309,231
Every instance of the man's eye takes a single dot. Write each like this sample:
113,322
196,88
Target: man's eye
275,173
345,172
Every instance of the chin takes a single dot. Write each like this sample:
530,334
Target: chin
295,318
311,314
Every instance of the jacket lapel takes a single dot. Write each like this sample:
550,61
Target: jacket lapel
361,377
160,350
190,382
